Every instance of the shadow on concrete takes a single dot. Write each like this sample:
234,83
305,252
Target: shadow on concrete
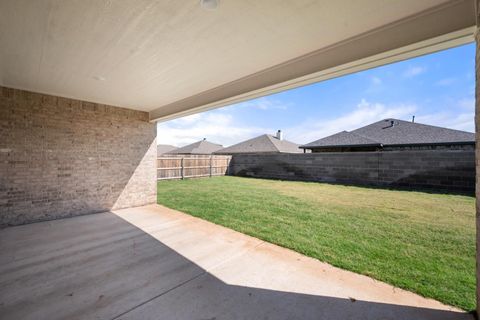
102,267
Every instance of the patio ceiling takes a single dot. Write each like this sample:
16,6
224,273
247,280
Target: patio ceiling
173,58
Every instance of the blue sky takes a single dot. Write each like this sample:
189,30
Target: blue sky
438,89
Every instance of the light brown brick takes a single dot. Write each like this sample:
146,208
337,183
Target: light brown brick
63,157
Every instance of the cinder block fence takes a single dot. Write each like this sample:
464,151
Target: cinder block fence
451,171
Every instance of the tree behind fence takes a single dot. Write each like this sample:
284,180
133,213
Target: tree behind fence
191,166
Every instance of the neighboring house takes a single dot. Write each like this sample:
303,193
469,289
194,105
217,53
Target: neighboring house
164,149
394,134
265,143
199,147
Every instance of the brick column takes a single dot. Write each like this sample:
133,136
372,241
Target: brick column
477,149
62,157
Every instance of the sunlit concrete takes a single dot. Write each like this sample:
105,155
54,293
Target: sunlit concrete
156,263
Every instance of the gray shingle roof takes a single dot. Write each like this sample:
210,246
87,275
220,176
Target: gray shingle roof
199,147
402,133
262,144
345,139
165,148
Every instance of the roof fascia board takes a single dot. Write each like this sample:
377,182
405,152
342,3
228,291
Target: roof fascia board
392,145
343,146
431,144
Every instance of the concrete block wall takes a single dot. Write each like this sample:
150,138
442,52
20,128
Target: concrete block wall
425,169
62,157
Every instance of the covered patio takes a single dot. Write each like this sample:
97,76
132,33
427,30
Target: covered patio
82,85
152,262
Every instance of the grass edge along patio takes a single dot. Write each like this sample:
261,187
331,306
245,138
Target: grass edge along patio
422,242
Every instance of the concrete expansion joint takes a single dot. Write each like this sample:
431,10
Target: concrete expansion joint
186,282
161,294
235,256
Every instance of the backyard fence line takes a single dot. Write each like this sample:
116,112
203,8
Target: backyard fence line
191,166
445,170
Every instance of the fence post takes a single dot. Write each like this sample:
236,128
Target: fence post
227,173
181,170
210,166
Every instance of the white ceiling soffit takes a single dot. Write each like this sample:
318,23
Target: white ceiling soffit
446,26
173,58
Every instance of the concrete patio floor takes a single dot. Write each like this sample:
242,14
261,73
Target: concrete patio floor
152,262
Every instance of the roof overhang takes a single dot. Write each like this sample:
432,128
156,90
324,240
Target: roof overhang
172,58
446,26
460,143
344,146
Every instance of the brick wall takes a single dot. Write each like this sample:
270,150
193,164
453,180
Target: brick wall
425,169
61,157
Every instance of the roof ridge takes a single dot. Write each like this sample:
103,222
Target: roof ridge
415,123
242,142
262,143
206,141
399,132
342,136
270,138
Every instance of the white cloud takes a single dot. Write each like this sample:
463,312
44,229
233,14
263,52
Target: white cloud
467,104
464,120
375,85
414,71
376,81
365,113
445,82
217,127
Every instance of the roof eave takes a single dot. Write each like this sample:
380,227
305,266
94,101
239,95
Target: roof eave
391,145
431,144
342,146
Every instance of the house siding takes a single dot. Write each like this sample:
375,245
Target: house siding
61,157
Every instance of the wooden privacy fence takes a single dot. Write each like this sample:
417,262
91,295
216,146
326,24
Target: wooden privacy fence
191,166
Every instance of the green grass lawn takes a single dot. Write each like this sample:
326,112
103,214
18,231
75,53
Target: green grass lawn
418,241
